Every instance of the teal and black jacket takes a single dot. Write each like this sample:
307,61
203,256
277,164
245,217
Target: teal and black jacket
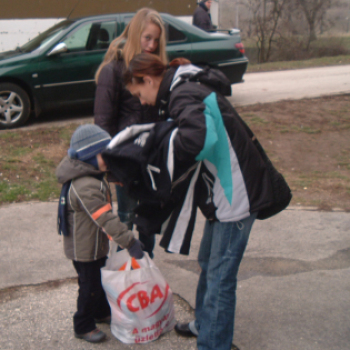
202,157
210,130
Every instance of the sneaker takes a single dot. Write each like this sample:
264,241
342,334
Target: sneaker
94,336
184,330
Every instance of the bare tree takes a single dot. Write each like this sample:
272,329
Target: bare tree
266,15
314,11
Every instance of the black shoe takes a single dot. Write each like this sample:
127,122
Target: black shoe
184,330
234,347
106,320
94,336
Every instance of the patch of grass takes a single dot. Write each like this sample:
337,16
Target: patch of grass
317,175
19,151
66,134
288,65
299,200
9,136
12,192
335,123
341,113
258,121
334,175
327,41
42,161
248,115
9,166
297,129
28,163
44,190
343,160
309,130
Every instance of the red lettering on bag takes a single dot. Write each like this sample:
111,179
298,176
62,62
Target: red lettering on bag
156,293
125,291
143,299
135,331
165,298
129,303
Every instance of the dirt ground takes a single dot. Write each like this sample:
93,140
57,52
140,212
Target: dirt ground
309,143
307,140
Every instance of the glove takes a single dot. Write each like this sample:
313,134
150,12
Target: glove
135,250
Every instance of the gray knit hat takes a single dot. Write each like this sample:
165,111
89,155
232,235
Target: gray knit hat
87,142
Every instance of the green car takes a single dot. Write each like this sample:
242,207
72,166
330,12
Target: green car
57,68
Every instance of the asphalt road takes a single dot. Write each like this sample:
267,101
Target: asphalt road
293,284
291,85
257,88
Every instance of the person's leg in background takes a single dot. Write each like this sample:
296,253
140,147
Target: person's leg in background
220,255
126,206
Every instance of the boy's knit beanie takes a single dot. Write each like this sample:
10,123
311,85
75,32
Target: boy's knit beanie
87,142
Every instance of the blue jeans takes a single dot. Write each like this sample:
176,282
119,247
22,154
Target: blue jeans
126,206
219,257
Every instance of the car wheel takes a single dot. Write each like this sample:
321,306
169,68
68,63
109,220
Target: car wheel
14,106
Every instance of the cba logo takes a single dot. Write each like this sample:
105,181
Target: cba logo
136,298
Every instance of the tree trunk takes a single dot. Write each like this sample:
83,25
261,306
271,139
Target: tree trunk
312,34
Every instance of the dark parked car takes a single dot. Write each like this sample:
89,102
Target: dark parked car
57,67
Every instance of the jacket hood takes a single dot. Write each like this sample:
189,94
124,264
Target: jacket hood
202,5
70,169
213,78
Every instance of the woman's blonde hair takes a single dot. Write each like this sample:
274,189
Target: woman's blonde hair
128,44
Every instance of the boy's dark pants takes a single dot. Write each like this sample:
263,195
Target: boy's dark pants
92,302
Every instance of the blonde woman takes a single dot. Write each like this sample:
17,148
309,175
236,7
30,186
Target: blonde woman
115,108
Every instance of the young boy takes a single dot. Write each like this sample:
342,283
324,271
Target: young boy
86,221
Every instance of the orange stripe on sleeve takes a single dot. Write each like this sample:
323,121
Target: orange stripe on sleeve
102,210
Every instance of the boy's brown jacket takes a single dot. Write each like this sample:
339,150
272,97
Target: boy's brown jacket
90,217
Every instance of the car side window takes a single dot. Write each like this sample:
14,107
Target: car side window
77,41
91,36
124,22
106,33
174,35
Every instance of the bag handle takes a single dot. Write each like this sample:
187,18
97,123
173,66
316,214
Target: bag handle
131,263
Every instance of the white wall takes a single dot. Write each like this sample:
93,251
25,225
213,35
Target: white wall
214,13
16,32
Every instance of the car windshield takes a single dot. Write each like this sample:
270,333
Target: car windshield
46,37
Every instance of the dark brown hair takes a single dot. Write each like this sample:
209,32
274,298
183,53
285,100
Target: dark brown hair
148,64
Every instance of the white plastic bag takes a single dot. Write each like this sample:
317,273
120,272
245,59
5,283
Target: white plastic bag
140,299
